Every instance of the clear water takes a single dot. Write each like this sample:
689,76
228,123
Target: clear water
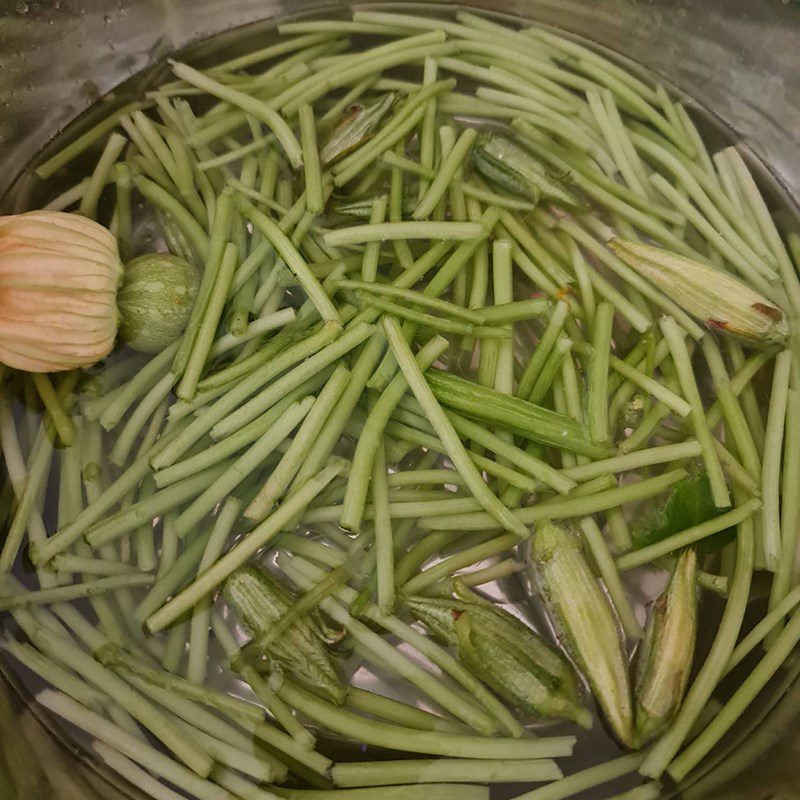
512,593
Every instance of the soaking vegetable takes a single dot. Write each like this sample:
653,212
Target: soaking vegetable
719,300
427,398
584,622
665,657
260,600
355,128
503,162
59,275
505,653
156,300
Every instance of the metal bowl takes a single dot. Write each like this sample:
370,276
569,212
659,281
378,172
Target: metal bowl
62,60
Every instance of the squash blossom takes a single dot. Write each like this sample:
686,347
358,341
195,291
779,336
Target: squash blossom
718,299
664,661
504,653
59,275
260,600
584,622
356,127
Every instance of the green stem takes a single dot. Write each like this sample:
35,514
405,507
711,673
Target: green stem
465,558
283,357
418,791
790,508
89,566
207,581
238,471
765,626
133,670
347,341
54,674
377,705
54,408
597,398
585,779
359,234
143,511
686,377
561,509
445,174
663,454
74,591
159,724
384,537
436,323
123,742
739,702
78,146
138,386
249,105
315,195
201,613
545,344
105,164
445,431
292,258
610,575
771,463
139,418
369,264
418,298
370,438
301,445
162,199
341,413
395,737
203,339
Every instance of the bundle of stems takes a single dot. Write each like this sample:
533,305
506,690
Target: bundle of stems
407,355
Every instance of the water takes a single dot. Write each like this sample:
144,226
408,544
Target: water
512,593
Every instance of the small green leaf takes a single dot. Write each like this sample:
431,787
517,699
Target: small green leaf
690,502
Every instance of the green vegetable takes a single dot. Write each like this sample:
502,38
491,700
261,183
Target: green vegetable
510,166
527,419
585,623
156,300
719,300
664,660
690,502
504,653
581,395
355,127
260,600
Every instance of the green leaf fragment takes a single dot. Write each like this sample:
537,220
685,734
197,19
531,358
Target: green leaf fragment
689,503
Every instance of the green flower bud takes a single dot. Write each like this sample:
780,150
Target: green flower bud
355,128
506,164
664,661
260,600
585,622
505,654
718,299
